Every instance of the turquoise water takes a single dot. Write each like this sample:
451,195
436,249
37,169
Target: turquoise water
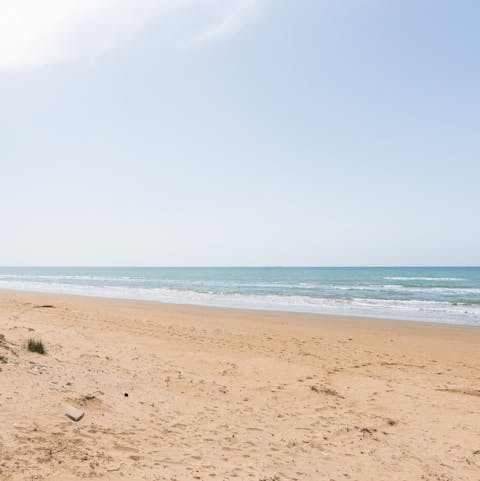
439,294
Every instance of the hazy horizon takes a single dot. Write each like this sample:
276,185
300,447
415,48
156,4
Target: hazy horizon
286,266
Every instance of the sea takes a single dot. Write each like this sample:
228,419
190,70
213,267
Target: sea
433,294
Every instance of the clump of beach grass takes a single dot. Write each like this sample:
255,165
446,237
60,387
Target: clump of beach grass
34,345
3,359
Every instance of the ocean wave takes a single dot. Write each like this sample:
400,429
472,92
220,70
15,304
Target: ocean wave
400,288
229,286
50,277
136,279
241,286
414,309
420,278
439,290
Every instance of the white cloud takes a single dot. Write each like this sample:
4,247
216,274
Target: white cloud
232,19
34,33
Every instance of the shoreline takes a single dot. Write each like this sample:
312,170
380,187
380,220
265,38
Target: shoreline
220,393
370,317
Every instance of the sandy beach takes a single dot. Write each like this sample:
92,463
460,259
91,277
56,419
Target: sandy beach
174,392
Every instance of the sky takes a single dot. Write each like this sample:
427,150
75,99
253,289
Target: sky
239,132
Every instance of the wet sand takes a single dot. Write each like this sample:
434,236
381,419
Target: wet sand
224,394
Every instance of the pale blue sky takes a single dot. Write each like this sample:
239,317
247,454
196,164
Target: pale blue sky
247,132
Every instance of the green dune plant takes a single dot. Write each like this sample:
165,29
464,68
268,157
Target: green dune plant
36,346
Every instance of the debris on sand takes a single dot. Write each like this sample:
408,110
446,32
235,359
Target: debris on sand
325,390
73,413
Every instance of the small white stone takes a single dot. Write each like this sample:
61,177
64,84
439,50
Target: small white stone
73,413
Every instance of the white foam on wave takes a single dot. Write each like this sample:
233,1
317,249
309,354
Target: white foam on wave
420,278
400,288
140,280
418,310
49,277
439,290
240,285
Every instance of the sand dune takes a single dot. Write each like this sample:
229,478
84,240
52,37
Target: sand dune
182,393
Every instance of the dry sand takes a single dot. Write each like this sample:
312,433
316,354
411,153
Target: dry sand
221,394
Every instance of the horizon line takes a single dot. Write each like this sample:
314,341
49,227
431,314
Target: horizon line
300,266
